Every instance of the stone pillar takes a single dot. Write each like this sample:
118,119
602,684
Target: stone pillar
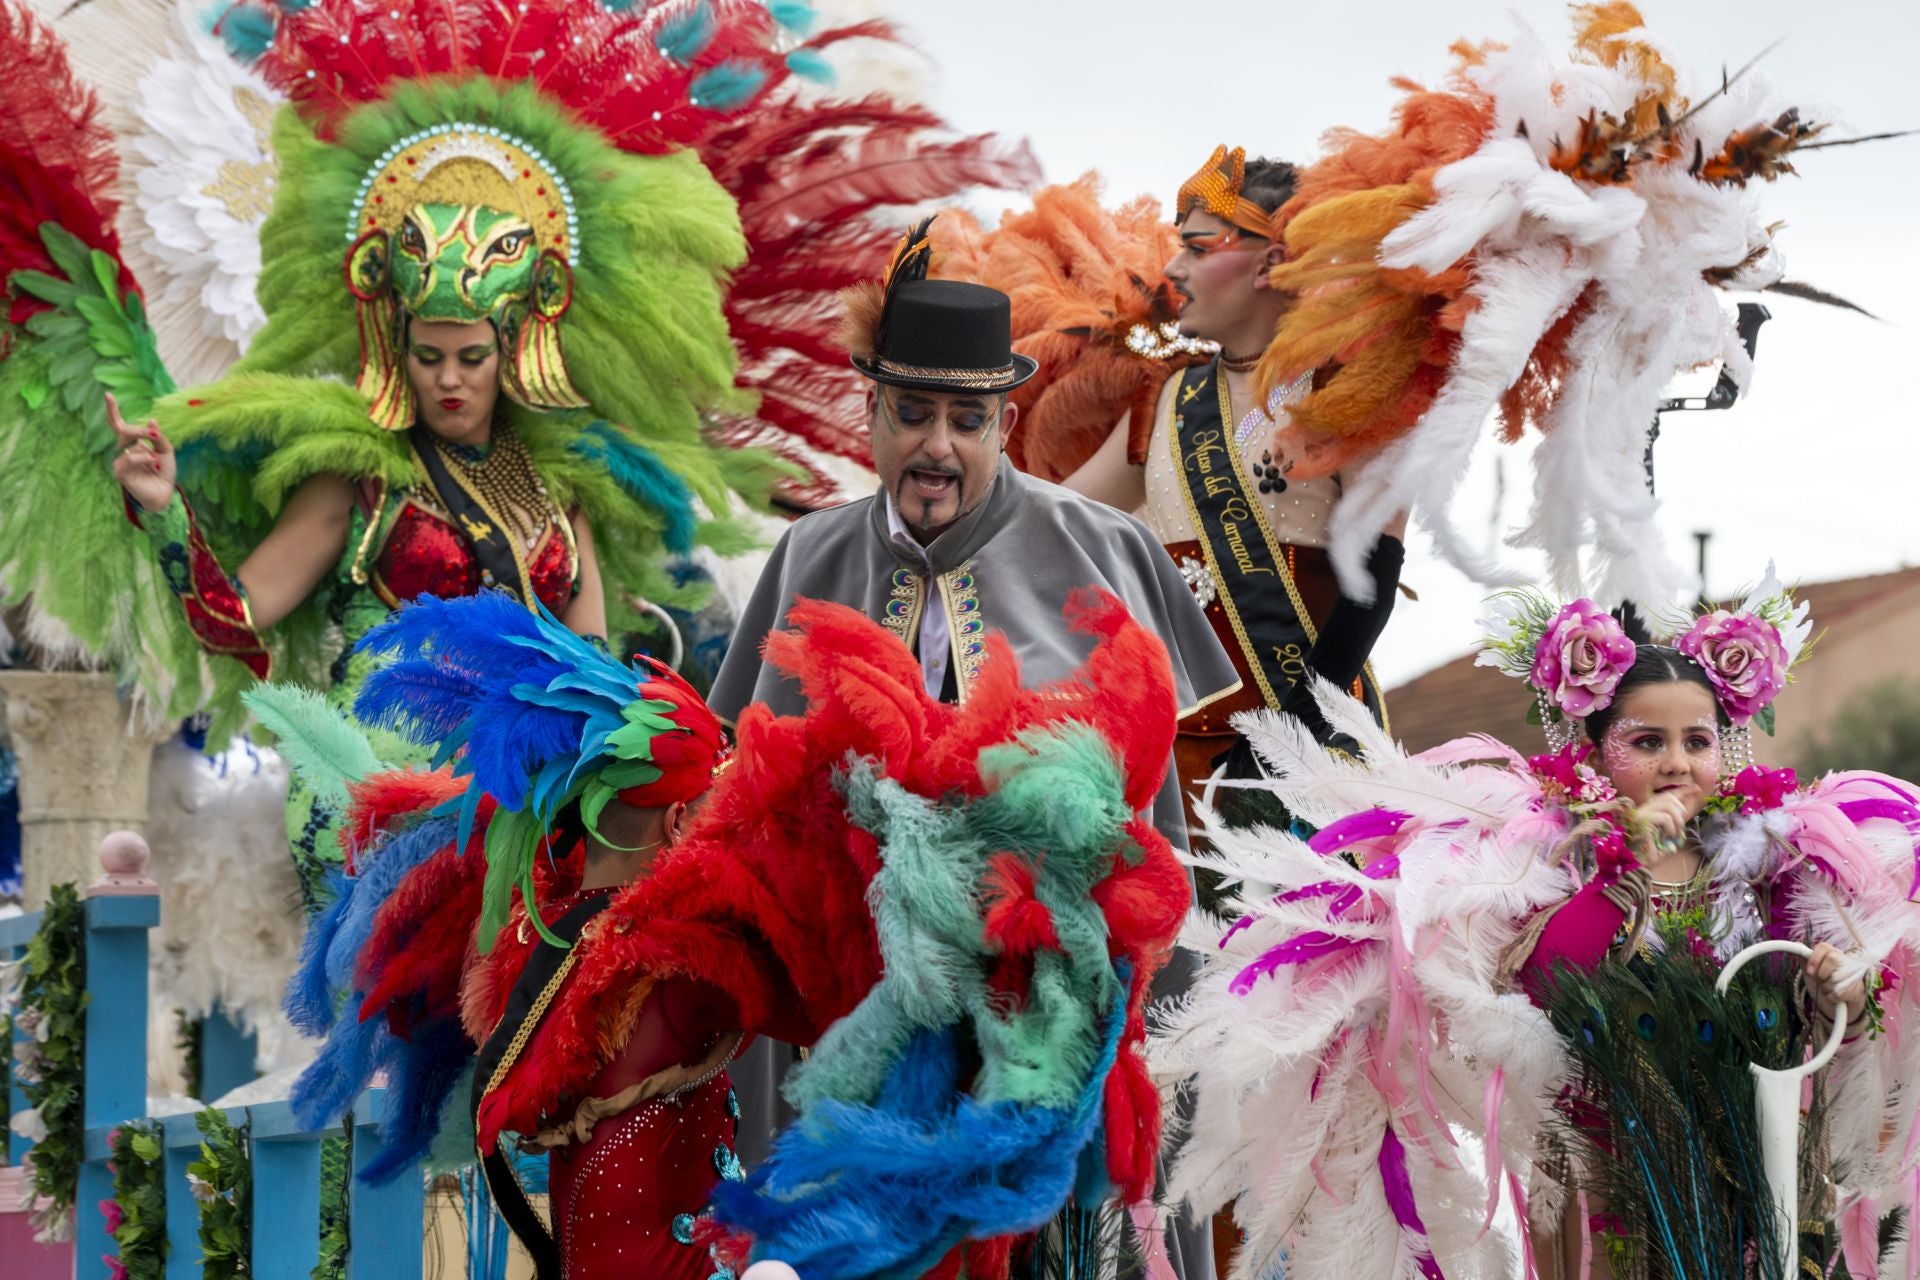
83,772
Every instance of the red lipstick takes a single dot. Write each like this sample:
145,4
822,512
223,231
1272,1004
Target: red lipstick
450,404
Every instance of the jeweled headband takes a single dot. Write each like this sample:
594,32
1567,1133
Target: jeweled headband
1216,189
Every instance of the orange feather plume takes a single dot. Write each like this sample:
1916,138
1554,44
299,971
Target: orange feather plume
1081,278
1381,338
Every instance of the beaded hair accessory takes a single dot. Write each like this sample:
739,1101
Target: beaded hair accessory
1215,188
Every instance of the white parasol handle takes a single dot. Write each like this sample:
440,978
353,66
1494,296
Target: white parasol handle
1776,1104
1754,952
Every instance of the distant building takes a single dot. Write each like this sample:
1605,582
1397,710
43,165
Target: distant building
1868,629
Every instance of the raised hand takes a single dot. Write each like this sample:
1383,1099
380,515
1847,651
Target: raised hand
144,463
1664,819
1822,976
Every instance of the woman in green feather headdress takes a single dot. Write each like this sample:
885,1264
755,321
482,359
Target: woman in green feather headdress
490,338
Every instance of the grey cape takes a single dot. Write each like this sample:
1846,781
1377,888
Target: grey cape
1009,565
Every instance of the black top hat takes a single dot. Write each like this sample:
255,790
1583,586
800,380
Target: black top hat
947,336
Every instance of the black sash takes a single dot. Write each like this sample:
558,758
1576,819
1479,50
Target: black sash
1249,567
492,542
547,966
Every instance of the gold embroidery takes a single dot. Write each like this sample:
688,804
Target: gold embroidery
966,629
244,190
478,530
256,111
902,613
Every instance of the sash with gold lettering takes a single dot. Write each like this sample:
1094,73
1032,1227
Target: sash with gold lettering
492,544
1248,564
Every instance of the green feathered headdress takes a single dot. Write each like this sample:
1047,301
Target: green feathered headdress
643,269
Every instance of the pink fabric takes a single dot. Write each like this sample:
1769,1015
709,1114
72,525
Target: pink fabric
1578,936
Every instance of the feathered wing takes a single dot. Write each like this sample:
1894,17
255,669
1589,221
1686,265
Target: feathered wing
1842,857
200,170
1352,1021
1089,305
76,329
1544,237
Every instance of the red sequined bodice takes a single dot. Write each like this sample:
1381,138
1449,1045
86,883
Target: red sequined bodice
425,555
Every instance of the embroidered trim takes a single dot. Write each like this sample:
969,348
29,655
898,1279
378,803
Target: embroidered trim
902,613
967,379
362,552
966,629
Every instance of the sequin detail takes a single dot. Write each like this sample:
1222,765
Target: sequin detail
425,555
733,1104
727,1164
724,1273
683,1227
1199,580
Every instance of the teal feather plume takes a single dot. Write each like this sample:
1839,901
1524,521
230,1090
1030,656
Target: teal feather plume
319,742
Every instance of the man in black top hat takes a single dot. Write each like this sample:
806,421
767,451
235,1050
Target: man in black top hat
954,543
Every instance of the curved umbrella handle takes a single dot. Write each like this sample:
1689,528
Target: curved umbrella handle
1754,952
1776,1101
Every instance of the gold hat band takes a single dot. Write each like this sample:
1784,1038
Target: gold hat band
970,379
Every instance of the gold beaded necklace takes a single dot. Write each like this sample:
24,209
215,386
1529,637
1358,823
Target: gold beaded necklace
507,482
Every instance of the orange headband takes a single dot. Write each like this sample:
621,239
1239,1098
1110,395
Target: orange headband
1216,188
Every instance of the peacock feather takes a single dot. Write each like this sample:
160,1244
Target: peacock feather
1662,1129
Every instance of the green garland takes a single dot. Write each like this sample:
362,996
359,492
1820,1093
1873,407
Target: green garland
6,1079
188,1039
336,1177
222,1181
138,1217
53,1003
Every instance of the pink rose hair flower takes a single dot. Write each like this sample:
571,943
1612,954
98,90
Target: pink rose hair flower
1744,658
1581,659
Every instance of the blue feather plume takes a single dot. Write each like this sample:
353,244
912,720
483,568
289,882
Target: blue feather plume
643,476
811,64
338,1072
309,1003
686,35
857,1191
726,87
530,701
421,1073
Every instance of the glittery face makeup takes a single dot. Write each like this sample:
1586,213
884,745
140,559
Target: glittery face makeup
1214,275
937,453
1664,740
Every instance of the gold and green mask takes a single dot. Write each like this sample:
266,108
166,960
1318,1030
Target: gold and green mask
463,223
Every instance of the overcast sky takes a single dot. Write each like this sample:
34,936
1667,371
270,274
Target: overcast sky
1817,468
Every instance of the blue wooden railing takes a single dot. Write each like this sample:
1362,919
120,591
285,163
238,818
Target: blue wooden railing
386,1223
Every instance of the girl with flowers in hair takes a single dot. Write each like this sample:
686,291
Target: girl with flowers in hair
1525,951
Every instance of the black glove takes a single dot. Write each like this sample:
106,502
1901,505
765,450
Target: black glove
1348,635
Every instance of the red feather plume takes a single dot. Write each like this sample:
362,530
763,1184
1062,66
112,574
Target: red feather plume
809,177
765,899
57,159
